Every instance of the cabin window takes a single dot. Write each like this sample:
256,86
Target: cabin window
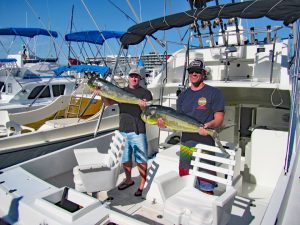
58,89
2,86
37,90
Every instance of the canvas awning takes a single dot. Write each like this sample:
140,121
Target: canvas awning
93,36
287,11
27,32
102,70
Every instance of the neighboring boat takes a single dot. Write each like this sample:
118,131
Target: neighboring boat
262,101
67,120
57,125
27,81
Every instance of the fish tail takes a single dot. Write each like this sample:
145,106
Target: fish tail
216,138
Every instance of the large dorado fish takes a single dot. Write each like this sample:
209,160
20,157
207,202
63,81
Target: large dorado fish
177,121
111,91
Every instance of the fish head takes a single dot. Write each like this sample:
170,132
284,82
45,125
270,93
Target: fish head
95,82
149,114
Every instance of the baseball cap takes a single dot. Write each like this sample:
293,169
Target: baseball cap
196,64
136,71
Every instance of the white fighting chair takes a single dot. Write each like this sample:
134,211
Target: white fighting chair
185,204
97,171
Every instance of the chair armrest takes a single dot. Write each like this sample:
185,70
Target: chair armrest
93,167
227,196
27,128
170,183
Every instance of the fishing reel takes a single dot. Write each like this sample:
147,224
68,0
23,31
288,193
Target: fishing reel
231,21
217,22
204,24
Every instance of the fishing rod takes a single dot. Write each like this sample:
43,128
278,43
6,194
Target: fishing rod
223,33
87,106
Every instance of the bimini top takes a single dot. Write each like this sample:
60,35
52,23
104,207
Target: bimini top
27,32
9,60
287,11
93,36
102,70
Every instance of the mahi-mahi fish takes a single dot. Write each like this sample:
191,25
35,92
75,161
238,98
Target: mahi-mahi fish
111,91
177,121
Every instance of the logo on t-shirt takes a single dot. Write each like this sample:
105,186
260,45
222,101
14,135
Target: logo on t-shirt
201,103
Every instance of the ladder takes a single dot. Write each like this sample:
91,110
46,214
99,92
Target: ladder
74,107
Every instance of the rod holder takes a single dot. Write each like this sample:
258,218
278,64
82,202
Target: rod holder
269,34
252,33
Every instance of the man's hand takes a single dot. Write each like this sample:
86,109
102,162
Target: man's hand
202,130
97,92
142,103
161,123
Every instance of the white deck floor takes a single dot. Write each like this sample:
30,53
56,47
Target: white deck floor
249,206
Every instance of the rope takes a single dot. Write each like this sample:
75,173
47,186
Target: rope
88,11
222,7
43,24
248,7
271,98
105,42
274,6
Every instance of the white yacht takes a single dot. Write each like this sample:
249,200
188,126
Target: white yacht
27,81
258,182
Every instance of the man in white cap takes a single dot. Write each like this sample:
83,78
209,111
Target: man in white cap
206,104
133,128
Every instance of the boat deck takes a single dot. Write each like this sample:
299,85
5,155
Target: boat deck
248,208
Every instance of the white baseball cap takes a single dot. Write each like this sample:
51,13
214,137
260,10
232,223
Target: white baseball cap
137,71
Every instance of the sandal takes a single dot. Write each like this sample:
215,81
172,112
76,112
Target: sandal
125,185
138,193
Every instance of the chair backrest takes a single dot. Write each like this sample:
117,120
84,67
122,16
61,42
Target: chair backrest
117,145
97,171
210,163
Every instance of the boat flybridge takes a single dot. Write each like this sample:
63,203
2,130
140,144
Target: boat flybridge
28,81
258,178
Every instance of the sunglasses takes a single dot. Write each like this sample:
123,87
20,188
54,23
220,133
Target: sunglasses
198,71
134,75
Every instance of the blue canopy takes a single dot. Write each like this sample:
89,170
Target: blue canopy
82,68
8,60
27,32
93,36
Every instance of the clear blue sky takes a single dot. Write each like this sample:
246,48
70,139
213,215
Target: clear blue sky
56,15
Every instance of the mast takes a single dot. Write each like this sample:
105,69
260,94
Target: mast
71,28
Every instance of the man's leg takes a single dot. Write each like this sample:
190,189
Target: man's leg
142,167
127,164
127,169
141,157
